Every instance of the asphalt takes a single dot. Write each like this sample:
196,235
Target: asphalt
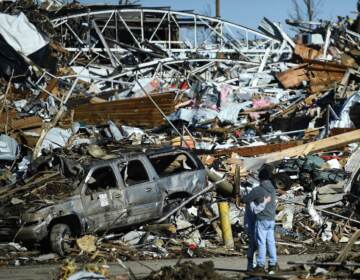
140,268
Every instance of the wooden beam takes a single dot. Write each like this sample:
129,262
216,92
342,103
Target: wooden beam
337,141
320,75
347,249
255,150
134,111
10,122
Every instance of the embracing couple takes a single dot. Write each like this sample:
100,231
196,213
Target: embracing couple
260,224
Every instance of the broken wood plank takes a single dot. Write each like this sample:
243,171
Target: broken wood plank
255,150
293,77
305,52
338,130
8,121
344,252
320,75
313,147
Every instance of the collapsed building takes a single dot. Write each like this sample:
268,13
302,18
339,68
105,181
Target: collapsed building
96,83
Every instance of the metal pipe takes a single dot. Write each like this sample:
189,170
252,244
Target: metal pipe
225,224
222,185
217,8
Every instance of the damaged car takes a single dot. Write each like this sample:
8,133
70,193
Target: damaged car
307,170
56,205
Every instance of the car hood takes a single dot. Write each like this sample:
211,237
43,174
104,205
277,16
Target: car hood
17,210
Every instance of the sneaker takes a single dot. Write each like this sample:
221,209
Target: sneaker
272,269
259,269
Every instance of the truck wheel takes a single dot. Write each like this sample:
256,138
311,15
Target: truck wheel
171,204
60,239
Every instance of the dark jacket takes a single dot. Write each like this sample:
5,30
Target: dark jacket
257,195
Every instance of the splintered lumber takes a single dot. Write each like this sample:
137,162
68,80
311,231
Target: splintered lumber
313,147
255,150
133,111
293,77
320,75
344,253
306,53
8,122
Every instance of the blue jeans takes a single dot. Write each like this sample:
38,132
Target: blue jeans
251,248
265,237
249,225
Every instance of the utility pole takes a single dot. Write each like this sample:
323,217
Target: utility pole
217,8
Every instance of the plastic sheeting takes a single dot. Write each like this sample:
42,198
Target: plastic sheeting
56,138
8,148
193,116
345,121
129,131
115,131
20,34
230,112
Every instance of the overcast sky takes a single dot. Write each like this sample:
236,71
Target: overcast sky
250,12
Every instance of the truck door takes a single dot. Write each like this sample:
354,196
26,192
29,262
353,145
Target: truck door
119,211
142,193
96,197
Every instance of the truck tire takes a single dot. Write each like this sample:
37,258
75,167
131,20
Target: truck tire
171,204
58,239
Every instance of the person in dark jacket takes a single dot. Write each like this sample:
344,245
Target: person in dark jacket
251,210
265,221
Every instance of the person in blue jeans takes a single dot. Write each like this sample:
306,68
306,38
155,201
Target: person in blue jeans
264,232
251,210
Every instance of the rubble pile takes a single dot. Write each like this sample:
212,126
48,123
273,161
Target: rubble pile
102,96
187,270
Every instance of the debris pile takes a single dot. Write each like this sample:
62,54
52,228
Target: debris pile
100,106
188,271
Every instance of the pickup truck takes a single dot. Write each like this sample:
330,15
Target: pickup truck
131,189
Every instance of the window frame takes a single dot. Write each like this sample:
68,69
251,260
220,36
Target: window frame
120,166
91,172
175,154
